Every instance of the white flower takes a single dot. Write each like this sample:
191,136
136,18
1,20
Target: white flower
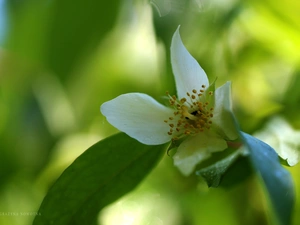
283,138
199,115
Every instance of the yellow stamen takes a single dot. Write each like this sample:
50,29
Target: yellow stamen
191,116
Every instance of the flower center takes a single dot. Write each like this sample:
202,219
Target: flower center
190,117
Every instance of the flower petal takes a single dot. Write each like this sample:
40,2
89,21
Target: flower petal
223,117
196,149
139,116
279,134
188,73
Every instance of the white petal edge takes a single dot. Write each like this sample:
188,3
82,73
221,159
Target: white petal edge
188,73
196,149
279,134
139,116
223,115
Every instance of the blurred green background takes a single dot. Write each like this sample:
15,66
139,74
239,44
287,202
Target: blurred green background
60,60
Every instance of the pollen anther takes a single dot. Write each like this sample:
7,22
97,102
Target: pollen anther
191,116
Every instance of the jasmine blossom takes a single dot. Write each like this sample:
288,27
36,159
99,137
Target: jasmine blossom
199,115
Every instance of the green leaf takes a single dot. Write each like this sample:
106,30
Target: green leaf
277,180
213,174
102,174
236,173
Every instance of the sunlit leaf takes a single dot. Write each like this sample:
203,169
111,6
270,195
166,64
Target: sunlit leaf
102,174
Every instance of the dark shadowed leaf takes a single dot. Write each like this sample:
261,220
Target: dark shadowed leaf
277,180
214,173
102,174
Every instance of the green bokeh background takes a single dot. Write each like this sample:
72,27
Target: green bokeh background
60,60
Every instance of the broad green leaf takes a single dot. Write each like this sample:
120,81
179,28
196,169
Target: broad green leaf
277,180
102,174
